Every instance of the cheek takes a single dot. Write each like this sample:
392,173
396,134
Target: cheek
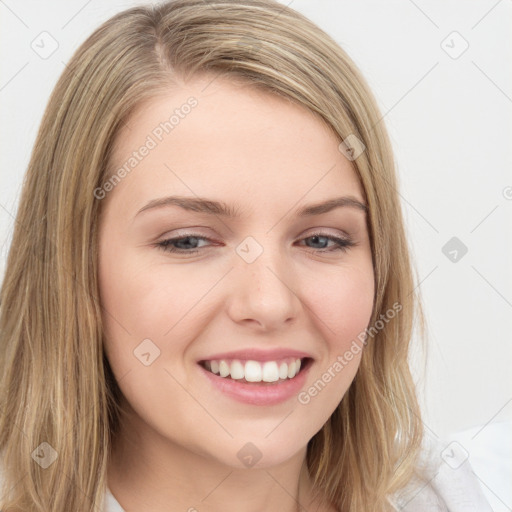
143,300
129,301
342,305
137,297
343,302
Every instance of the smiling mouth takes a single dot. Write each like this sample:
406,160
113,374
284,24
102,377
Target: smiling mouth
256,372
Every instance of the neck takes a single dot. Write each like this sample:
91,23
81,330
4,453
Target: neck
149,472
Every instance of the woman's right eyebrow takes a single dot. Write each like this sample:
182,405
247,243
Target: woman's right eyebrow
213,207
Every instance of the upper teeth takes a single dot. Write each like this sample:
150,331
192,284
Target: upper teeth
254,371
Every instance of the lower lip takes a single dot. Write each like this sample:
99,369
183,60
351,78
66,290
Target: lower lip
259,393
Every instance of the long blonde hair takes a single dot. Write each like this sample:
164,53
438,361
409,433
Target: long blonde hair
56,383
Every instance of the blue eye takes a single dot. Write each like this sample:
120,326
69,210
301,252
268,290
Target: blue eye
341,244
187,244
167,245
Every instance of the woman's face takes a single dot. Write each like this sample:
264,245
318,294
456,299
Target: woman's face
267,285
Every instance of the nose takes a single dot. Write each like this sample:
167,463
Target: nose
264,293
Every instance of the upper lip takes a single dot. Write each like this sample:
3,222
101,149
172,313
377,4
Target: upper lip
258,354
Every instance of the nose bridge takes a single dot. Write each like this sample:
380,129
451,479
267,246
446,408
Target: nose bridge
263,260
264,287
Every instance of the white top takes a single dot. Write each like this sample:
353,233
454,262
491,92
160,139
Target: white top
451,486
111,504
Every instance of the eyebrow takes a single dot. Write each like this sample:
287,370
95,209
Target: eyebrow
212,207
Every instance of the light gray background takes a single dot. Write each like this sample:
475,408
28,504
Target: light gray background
449,118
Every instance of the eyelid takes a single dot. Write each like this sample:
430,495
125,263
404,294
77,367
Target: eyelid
186,232
325,231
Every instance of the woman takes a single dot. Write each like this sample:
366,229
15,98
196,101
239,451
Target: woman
265,366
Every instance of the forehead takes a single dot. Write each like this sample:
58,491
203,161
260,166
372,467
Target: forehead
229,140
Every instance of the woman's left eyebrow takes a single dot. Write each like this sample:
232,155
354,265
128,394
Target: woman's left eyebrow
213,207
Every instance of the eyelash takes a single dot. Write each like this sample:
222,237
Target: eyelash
342,244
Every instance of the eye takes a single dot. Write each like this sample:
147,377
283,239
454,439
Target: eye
186,241
188,244
340,244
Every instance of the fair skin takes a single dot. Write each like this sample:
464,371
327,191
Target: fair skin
177,449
